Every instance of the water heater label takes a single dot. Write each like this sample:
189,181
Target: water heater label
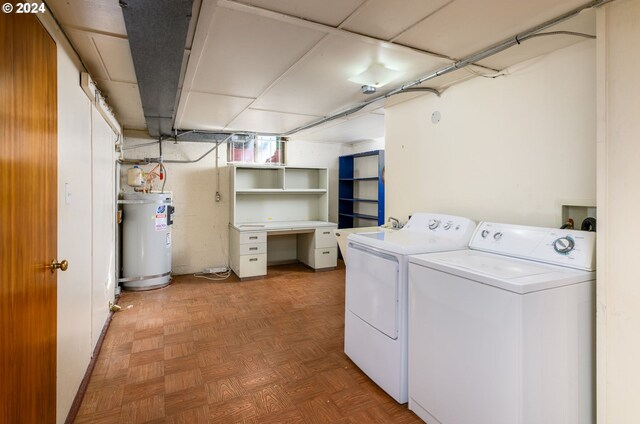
161,218
168,239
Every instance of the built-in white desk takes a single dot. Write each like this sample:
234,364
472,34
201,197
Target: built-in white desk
248,245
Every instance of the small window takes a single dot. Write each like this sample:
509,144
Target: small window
256,149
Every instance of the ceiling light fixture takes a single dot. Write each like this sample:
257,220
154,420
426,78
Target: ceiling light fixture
376,76
368,89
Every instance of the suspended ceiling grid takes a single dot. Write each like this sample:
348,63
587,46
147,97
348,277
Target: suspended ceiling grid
273,65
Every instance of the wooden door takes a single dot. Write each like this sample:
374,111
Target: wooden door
28,220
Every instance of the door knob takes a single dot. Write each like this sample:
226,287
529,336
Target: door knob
62,265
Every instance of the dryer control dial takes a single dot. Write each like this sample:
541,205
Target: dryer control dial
497,236
447,225
564,245
433,224
484,233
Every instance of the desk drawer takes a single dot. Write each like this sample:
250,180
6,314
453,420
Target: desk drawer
253,249
253,265
253,238
326,257
325,237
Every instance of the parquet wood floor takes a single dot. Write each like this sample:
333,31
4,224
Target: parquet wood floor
263,351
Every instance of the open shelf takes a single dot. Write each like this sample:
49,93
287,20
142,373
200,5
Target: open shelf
305,178
281,191
361,189
360,179
359,215
259,178
278,194
346,199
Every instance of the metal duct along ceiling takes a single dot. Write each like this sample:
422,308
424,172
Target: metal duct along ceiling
157,32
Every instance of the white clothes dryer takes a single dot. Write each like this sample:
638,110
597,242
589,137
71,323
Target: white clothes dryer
376,293
504,333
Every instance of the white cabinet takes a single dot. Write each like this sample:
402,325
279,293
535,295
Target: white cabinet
318,249
248,253
277,201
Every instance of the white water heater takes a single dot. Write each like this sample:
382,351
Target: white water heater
146,240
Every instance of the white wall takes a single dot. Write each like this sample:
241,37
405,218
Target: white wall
74,234
103,221
509,149
618,293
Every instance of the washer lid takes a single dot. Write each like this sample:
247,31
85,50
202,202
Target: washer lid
512,274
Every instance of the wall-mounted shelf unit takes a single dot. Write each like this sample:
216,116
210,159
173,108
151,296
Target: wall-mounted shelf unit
361,190
278,194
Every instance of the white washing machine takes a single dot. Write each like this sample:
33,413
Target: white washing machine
504,333
375,334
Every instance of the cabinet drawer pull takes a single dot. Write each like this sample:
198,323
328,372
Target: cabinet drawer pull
253,237
253,248
326,232
326,253
253,259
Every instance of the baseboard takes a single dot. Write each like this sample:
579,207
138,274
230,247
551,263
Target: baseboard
77,400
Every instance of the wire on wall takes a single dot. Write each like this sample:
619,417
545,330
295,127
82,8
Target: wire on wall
214,276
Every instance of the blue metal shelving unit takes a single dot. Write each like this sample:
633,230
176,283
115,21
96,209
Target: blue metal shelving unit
346,190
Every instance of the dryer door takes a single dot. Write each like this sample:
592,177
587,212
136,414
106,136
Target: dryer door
373,289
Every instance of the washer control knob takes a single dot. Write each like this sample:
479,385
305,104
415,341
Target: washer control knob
564,245
447,225
433,224
497,236
484,233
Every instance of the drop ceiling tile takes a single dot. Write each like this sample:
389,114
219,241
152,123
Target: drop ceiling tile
385,19
320,84
98,15
364,127
83,43
266,121
245,53
205,111
466,26
116,56
328,12
124,98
